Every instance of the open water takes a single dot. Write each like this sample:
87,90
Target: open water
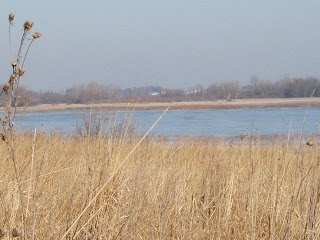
213,122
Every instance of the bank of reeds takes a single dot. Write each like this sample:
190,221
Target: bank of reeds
121,186
188,189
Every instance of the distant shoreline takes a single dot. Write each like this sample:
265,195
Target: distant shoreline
218,104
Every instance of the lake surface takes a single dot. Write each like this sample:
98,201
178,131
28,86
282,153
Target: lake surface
189,122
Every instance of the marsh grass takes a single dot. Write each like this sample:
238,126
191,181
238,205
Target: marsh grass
189,189
102,123
122,186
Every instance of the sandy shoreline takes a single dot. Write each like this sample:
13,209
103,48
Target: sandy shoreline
219,104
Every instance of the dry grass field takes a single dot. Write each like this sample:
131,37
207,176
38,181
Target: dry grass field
218,104
94,188
122,186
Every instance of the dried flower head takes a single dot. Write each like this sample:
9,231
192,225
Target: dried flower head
36,35
13,77
6,87
16,233
4,138
28,25
21,72
13,63
11,17
310,143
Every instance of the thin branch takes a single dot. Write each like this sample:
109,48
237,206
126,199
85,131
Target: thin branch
21,44
305,114
10,42
25,56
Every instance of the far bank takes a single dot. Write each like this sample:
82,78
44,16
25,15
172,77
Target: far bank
218,104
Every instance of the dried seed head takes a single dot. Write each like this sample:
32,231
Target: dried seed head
16,233
28,25
21,72
13,63
11,17
12,77
2,231
6,87
36,35
4,138
310,143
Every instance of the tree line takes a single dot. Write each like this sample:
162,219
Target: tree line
230,90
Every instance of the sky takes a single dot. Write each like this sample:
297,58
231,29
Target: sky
170,43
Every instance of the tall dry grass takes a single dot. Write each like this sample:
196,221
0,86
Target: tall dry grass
187,189
116,186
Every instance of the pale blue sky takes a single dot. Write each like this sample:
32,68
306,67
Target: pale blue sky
171,43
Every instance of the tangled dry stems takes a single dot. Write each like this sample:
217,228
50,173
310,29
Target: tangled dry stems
186,189
10,98
182,190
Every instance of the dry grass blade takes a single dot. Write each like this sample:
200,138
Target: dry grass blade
113,174
103,205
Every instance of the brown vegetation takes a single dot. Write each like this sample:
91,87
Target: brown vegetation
191,189
218,104
115,185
